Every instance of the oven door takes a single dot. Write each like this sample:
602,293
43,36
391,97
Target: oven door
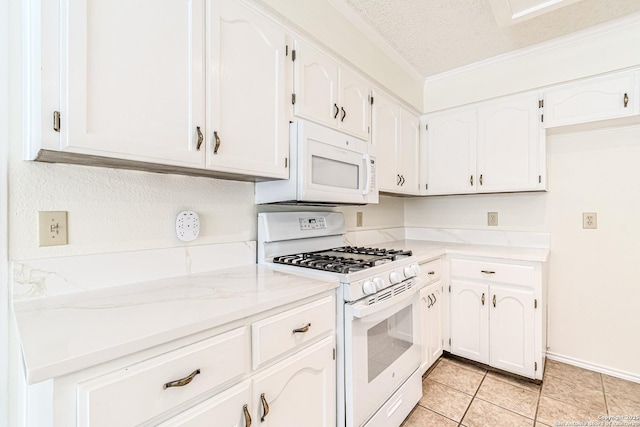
333,167
382,349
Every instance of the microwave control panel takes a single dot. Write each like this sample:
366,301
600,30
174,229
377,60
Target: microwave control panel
312,223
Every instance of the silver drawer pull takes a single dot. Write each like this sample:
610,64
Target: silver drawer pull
182,382
303,329
487,272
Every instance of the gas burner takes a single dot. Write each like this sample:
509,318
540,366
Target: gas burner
346,259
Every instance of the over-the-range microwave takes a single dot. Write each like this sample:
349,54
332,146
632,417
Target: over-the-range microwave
327,168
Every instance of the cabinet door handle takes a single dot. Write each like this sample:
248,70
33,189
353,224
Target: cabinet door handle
398,182
335,115
401,180
494,300
480,179
435,300
247,416
265,407
182,382
303,329
482,299
487,272
471,180
344,114
626,100
200,138
431,273
430,301
215,149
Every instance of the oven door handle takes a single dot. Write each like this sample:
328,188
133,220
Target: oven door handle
360,310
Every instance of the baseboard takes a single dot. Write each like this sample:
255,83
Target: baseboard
593,367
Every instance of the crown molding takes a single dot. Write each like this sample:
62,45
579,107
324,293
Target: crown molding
576,37
358,21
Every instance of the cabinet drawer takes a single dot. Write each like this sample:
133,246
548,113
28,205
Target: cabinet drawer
431,271
278,334
135,394
493,271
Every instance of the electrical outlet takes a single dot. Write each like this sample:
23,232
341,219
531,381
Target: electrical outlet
589,220
358,219
492,218
52,228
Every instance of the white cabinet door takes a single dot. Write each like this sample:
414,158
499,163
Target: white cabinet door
470,320
300,391
601,98
450,152
132,84
510,139
512,329
315,86
225,409
431,301
408,154
384,135
354,101
247,126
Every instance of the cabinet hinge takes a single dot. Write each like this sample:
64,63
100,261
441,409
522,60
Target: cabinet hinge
293,98
426,186
426,127
535,303
535,366
286,162
371,99
334,354
542,103
542,117
368,129
286,50
449,288
56,121
293,55
539,179
449,341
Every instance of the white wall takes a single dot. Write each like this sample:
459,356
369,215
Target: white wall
593,278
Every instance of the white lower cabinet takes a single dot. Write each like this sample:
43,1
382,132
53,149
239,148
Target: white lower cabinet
299,391
431,313
497,312
208,379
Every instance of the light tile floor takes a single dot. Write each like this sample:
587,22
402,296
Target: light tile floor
461,394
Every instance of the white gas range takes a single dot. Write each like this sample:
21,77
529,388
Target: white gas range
378,328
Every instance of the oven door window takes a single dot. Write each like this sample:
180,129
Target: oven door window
388,341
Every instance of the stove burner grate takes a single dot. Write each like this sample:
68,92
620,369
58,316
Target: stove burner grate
346,259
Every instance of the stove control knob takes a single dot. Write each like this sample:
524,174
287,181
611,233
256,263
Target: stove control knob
369,288
416,269
379,283
395,277
409,272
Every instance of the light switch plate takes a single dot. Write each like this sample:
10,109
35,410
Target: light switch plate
52,228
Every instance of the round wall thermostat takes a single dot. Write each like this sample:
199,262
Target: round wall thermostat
187,226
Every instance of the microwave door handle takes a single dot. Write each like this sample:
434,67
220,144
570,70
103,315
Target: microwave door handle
367,162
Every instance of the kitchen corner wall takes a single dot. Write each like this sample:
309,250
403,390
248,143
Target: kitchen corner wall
594,291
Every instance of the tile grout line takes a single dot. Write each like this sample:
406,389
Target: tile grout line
604,393
535,416
473,398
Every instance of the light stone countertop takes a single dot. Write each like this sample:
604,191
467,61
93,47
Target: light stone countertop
67,333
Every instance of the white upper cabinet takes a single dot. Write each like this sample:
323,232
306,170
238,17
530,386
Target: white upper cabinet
131,80
450,152
495,146
601,98
247,126
330,94
395,134
510,155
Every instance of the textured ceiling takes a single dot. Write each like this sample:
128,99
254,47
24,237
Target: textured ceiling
439,35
